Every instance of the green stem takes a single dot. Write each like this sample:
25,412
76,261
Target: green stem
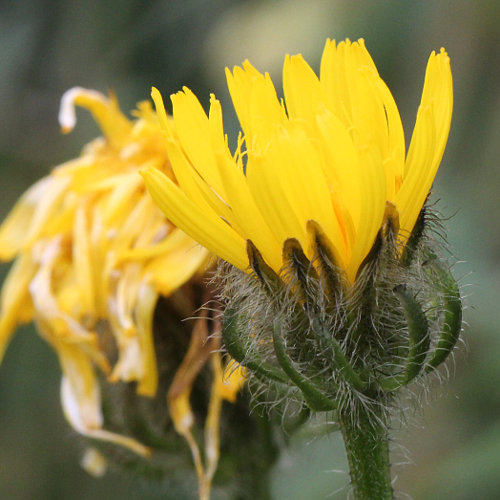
367,446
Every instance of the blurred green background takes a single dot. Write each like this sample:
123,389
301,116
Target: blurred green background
48,46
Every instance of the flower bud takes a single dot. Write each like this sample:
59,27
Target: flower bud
342,343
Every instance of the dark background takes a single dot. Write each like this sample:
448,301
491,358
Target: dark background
47,47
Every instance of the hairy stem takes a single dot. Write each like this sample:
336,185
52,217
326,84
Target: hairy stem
367,445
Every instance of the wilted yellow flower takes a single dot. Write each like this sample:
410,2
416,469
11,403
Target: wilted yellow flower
332,151
93,254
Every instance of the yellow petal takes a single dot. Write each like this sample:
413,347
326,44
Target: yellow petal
83,412
207,228
343,171
160,109
171,270
254,99
83,262
105,111
119,200
28,218
239,83
189,116
245,214
288,182
15,301
144,312
336,159
373,187
428,140
232,382
195,186
303,93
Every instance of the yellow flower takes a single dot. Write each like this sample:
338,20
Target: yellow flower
332,151
93,254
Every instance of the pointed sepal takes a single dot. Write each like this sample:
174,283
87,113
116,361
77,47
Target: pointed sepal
332,277
452,312
234,337
343,368
313,395
418,339
262,270
301,271
412,244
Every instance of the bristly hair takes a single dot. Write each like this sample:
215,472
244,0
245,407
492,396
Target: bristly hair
358,344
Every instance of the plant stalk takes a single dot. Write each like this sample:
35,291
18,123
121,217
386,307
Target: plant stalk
367,446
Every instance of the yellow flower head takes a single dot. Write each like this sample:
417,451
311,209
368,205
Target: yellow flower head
93,254
332,152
